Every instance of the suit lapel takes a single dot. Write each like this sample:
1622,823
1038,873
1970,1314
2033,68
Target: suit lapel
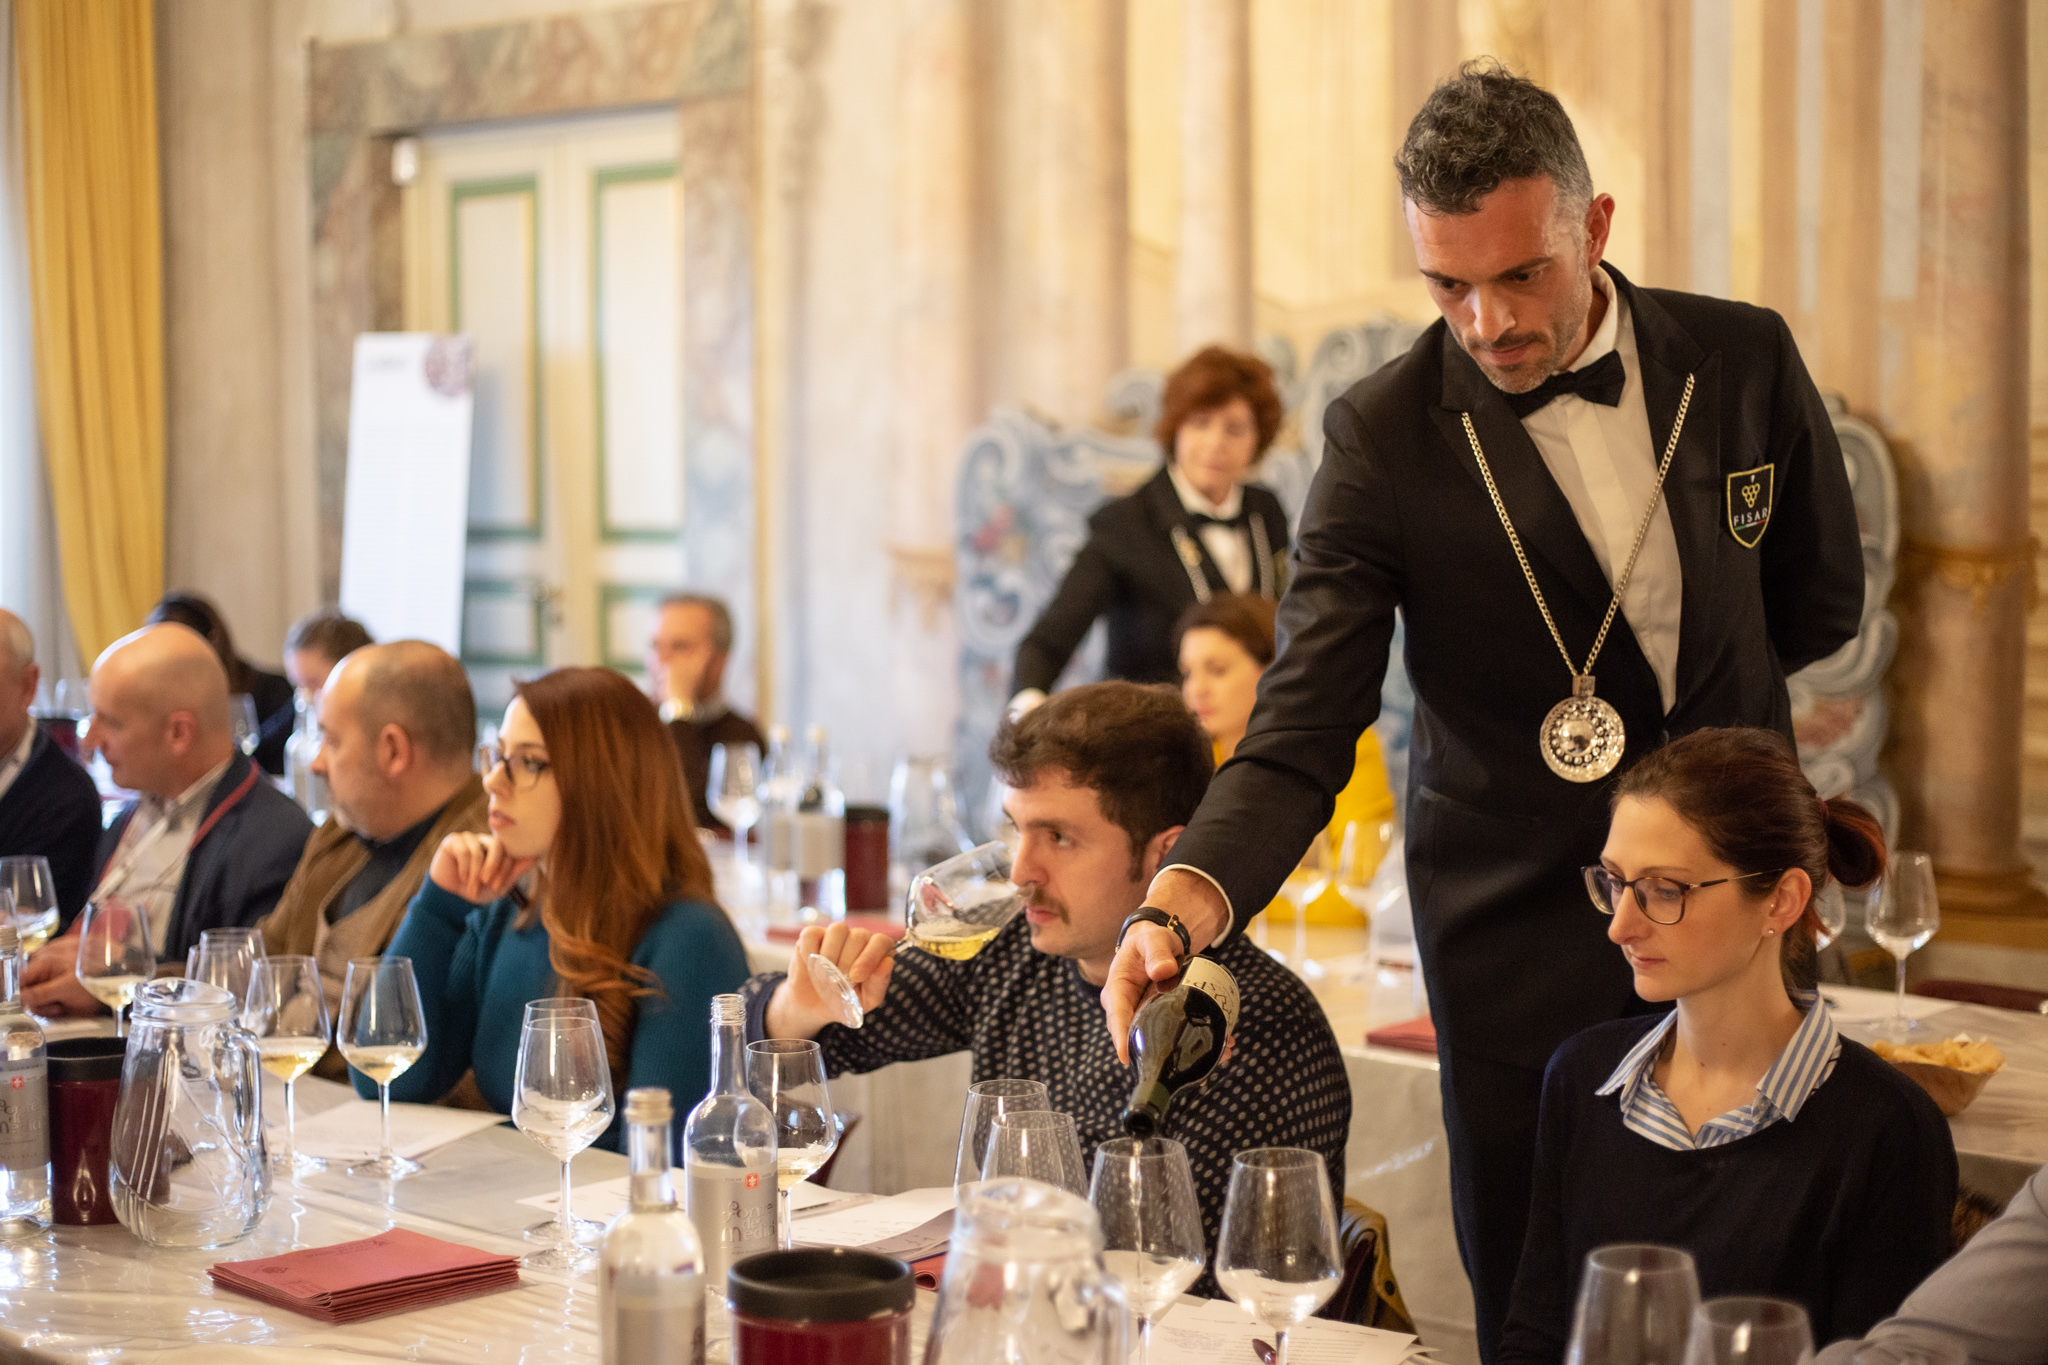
1167,512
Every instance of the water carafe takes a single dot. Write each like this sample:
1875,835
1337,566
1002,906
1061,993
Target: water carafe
187,1167
1024,1282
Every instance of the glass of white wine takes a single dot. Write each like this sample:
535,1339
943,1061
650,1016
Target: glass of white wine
286,1008
788,1075
955,908
1277,1253
1152,1244
114,955
562,1100
383,1032
28,880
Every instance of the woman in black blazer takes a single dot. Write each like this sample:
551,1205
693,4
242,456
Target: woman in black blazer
1193,530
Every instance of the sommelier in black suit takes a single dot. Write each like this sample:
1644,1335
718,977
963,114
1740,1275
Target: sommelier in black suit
1667,442
1193,530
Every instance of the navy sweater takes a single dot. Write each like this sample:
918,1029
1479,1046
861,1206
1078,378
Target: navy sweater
1844,1209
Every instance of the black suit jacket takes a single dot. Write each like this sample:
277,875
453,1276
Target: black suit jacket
253,837
1130,571
53,809
1398,517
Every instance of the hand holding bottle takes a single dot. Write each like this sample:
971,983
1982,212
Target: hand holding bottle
865,958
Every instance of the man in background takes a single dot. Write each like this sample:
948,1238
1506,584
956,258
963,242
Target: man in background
398,733
207,843
686,660
48,805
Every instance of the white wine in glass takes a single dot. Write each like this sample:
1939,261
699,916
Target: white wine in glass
788,1076
114,956
290,1058
1144,1193
383,1031
286,1009
384,1063
27,881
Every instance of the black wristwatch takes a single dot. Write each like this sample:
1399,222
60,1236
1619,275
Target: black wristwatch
1148,914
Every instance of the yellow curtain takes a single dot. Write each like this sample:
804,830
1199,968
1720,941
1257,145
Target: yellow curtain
87,75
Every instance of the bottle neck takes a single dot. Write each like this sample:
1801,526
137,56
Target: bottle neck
647,1155
729,1057
10,979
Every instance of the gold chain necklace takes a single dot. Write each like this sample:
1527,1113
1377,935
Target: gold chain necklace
1582,738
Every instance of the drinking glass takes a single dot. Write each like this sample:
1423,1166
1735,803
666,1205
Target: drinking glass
1144,1193
114,955
1902,915
1309,880
788,1075
1831,908
226,958
248,725
1635,1306
988,1101
562,1099
286,1009
34,892
734,787
382,1033
1277,1253
579,1005
924,820
1042,1144
1749,1331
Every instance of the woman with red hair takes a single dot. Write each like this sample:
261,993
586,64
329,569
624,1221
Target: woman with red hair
1193,531
1789,1160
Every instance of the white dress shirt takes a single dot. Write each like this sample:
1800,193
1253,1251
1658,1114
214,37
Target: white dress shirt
1229,546
15,760
1603,460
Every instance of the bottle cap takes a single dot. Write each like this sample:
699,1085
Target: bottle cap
728,1009
649,1104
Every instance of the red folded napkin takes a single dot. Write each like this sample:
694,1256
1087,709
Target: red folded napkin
928,1272
879,923
1410,1035
351,1281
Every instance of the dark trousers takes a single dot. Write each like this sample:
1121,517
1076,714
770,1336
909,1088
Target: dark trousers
1490,1113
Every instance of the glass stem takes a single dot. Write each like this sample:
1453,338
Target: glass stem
384,1104
121,1020
1902,989
563,1217
291,1121
1280,1346
1145,1341
787,1233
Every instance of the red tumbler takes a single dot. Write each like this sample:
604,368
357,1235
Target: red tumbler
828,1306
867,858
85,1085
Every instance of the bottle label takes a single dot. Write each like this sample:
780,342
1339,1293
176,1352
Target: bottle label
821,844
781,839
24,1115
734,1210
651,1319
1214,980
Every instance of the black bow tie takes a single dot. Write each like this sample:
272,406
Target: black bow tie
1236,523
1600,382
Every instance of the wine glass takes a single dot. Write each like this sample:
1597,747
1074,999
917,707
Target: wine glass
1902,915
1635,1306
1831,908
1277,1253
1749,1331
248,725
734,787
114,955
1144,1193
988,1101
34,891
226,958
286,1008
1309,880
788,1075
382,1033
1042,1144
562,1099
579,1005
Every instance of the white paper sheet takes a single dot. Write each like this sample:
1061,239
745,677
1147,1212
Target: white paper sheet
884,1220
1215,1330
603,1200
353,1131
1855,1005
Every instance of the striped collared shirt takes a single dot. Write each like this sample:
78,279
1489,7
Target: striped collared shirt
1807,1061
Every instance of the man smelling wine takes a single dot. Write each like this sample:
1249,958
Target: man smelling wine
1101,780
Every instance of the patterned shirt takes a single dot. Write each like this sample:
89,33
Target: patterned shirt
1805,1064
149,862
1028,1015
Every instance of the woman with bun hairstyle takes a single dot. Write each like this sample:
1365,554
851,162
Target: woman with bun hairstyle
591,882
1789,1160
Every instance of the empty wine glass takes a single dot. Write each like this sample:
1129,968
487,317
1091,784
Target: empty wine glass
226,958
1635,1306
1902,915
248,725
924,820
988,1101
1277,1253
383,1031
1042,1144
1144,1193
788,1075
286,1008
562,1099
1831,908
734,787
579,1005
114,955
1749,1331
1309,880
28,882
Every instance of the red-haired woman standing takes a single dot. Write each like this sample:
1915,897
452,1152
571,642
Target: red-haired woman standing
1195,530
1788,1160
586,794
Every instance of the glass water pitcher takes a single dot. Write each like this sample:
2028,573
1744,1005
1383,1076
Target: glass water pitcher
1024,1282
187,1167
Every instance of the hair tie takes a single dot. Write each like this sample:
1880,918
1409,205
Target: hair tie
1823,808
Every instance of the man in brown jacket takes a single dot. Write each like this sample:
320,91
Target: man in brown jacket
398,752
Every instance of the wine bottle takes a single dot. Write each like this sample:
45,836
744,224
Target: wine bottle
650,1277
24,1105
1177,1040
729,1153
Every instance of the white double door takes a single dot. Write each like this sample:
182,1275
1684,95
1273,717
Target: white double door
557,247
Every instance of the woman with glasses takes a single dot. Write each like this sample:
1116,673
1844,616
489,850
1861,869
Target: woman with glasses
590,882
1789,1160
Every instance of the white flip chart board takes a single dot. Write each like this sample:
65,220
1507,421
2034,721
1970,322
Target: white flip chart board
406,510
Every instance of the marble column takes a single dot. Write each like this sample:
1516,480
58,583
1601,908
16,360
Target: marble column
1968,562
1213,270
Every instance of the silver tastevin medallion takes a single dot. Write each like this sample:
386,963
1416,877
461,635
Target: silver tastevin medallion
1583,737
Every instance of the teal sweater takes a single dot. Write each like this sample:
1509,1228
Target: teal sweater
477,971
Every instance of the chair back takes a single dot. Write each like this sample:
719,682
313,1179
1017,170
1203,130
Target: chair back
1367,1295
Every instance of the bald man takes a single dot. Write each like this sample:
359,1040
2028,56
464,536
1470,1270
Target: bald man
398,748
48,807
207,843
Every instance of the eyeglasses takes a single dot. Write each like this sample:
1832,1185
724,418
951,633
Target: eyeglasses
524,770
1661,899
